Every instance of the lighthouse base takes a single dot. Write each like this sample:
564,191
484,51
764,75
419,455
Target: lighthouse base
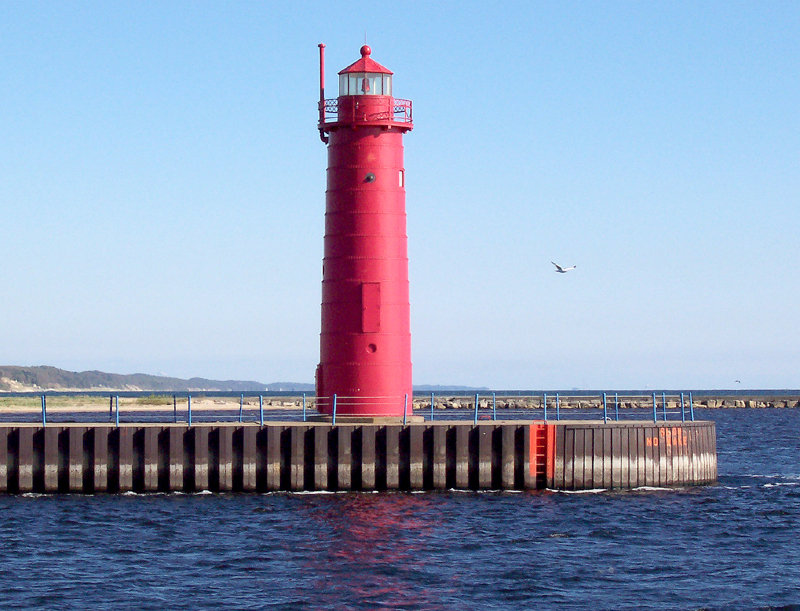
367,419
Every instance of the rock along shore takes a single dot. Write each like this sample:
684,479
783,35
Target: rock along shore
642,402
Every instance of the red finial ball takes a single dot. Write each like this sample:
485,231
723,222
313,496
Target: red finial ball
365,50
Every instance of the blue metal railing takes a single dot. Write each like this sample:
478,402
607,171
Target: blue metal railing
671,404
450,406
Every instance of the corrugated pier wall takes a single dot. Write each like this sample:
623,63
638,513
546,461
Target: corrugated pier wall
318,456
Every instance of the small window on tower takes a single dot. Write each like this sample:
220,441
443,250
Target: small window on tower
402,178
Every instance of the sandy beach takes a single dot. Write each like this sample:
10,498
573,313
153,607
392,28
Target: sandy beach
88,403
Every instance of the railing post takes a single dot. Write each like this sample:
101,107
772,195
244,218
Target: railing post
405,407
116,410
544,405
558,408
110,407
605,409
664,405
174,408
655,413
333,421
494,406
476,408
691,407
241,407
44,411
304,407
189,409
683,409
616,406
432,403
261,409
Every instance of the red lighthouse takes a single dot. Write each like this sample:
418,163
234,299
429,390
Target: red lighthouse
365,342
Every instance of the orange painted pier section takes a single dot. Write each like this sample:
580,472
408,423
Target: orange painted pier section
625,455
228,457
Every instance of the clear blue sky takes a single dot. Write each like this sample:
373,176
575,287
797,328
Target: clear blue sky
162,188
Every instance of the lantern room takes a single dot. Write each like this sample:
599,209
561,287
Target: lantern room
365,77
365,98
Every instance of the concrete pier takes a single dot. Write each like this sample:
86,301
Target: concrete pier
235,457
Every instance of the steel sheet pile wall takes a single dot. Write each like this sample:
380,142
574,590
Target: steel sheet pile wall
631,455
306,456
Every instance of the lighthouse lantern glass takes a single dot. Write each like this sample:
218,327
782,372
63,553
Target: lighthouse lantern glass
365,83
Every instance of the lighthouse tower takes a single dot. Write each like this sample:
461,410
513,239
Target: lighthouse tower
365,342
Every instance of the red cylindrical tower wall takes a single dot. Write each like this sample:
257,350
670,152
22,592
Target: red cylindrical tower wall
365,343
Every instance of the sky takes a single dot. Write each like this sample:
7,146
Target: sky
162,188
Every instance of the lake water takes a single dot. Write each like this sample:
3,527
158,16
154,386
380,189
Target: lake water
732,545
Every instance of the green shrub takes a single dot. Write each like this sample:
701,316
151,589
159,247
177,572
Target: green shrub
154,400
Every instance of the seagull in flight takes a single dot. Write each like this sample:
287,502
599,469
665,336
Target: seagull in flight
562,270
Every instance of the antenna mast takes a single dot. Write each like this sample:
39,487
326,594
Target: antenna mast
322,135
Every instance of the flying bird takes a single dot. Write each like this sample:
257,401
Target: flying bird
562,270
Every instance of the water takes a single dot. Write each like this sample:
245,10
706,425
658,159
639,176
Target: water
733,545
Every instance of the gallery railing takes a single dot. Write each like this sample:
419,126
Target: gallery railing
391,109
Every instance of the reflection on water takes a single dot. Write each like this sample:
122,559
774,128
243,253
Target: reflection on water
377,549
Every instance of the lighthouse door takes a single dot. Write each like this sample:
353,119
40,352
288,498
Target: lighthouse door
370,307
